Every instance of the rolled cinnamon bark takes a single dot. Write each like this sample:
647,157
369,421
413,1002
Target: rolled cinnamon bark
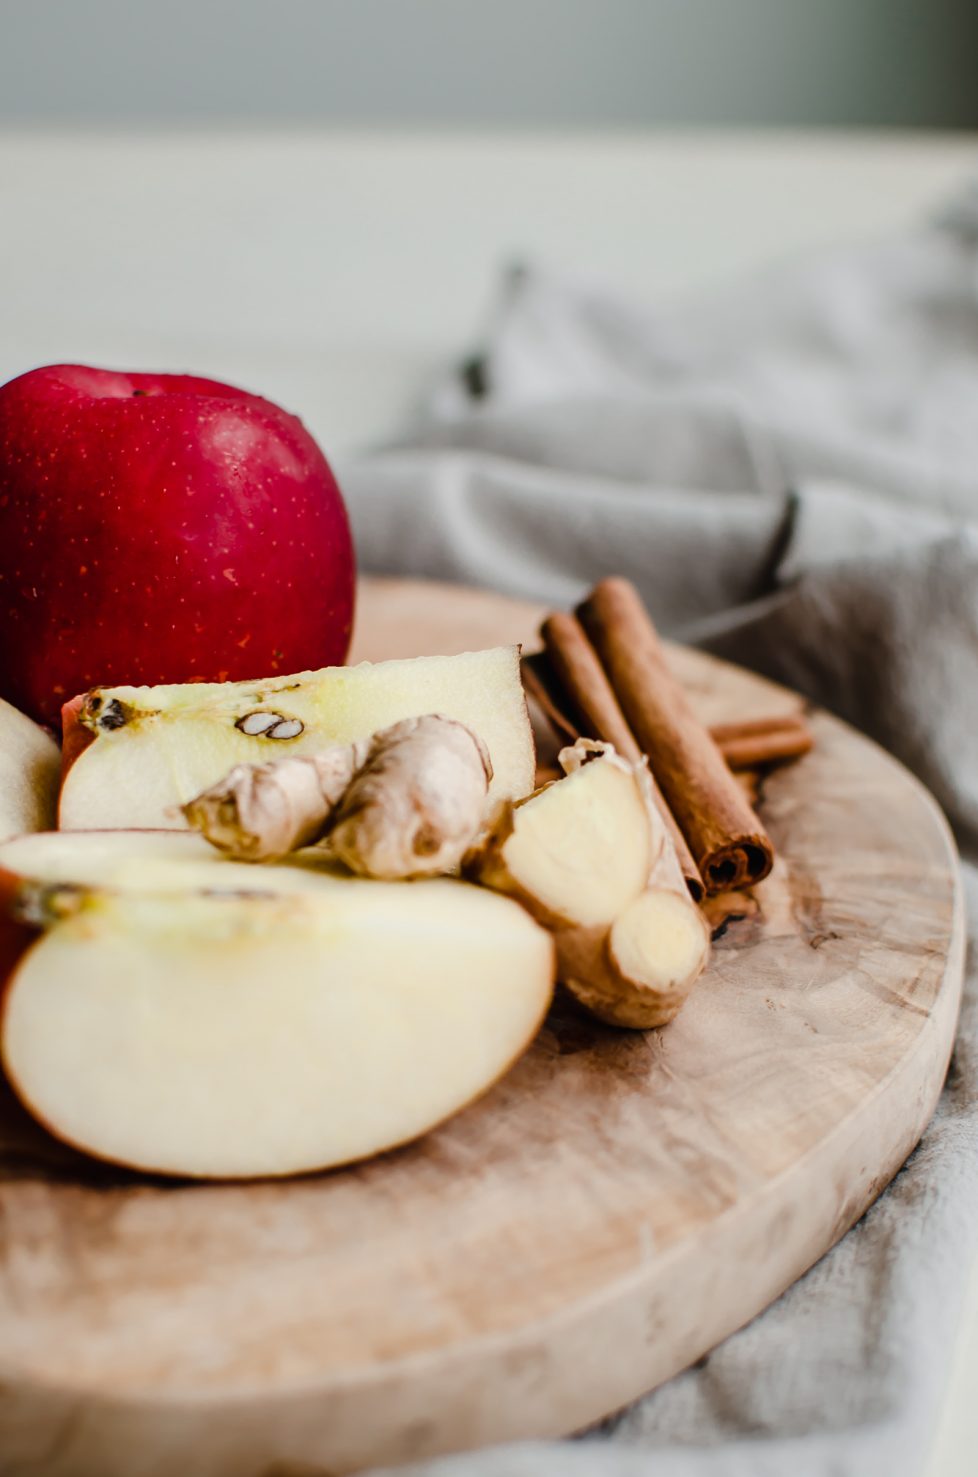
580,675
758,742
583,683
748,743
727,841
538,683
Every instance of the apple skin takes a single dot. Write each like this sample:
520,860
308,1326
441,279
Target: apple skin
161,528
75,737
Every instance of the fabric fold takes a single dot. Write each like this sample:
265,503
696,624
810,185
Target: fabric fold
787,467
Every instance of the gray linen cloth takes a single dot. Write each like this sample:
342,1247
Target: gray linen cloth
788,469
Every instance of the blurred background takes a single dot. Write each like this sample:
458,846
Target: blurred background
315,197
523,63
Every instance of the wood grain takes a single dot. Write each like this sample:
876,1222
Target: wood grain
610,1211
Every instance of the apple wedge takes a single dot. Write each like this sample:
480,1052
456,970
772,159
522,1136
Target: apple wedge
222,1036
134,754
46,876
29,766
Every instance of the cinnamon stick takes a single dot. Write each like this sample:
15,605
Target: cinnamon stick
538,684
582,679
727,841
577,668
758,742
748,743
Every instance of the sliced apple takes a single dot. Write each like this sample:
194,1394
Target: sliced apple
229,1037
136,753
29,765
47,875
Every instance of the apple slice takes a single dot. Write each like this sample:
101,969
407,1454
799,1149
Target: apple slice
135,753
49,875
230,1037
29,765
45,876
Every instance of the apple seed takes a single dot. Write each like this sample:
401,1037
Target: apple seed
289,728
269,725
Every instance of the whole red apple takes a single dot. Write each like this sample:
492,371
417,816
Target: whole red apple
161,528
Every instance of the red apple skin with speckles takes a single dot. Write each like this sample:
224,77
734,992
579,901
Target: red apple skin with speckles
161,528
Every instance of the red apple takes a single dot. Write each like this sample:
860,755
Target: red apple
161,528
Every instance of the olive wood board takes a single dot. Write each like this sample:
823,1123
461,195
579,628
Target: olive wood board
611,1210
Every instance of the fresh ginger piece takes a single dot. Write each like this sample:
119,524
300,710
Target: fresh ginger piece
261,812
581,848
658,941
590,858
408,803
416,805
641,971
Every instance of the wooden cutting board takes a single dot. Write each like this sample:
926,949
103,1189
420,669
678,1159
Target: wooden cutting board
609,1212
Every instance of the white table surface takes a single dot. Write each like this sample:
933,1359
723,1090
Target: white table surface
337,273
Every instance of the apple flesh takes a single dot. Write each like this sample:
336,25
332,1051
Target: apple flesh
223,1036
30,765
29,769
52,874
160,528
136,754
49,875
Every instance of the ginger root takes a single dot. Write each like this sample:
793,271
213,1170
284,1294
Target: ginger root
261,812
406,803
416,804
588,855
590,858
